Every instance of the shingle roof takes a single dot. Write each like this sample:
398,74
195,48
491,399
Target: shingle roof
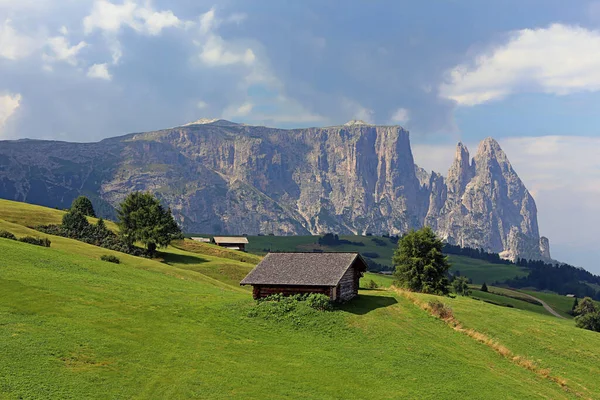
232,240
307,269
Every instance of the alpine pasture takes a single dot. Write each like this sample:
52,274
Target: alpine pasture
179,326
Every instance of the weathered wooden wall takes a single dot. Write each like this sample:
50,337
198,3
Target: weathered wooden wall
348,287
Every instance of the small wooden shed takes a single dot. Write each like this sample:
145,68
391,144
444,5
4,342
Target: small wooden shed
335,275
230,242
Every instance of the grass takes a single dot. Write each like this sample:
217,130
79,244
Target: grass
550,343
216,251
481,271
560,304
505,301
73,326
32,215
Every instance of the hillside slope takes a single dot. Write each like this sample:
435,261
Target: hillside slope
72,326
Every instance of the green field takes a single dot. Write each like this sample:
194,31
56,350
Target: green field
72,326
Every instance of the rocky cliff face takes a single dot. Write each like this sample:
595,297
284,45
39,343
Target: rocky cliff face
487,205
222,177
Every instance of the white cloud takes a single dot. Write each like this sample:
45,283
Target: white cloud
239,110
110,18
99,71
63,30
14,45
354,110
201,104
215,51
63,51
9,103
400,116
559,59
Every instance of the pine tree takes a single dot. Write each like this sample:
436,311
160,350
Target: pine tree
84,206
484,287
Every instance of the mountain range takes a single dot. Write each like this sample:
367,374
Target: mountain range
221,177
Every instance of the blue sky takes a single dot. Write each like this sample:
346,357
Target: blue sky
526,72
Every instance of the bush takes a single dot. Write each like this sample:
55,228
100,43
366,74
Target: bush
7,235
461,286
372,284
74,222
484,287
440,310
110,258
589,321
84,206
45,242
318,302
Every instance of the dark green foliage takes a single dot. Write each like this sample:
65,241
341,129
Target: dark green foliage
298,310
575,306
460,285
372,284
142,218
562,279
588,316
379,242
484,288
318,301
44,242
75,222
585,306
84,206
420,264
590,321
110,258
75,226
7,235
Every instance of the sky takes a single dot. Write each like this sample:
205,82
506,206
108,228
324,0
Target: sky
526,72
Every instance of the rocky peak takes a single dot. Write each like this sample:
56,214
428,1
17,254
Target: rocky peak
356,122
461,171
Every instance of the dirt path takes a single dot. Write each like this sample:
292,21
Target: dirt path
545,305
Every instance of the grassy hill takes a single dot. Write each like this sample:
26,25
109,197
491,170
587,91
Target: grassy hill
72,326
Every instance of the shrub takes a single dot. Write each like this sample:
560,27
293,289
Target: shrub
372,284
461,286
110,258
318,302
45,242
84,206
484,287
7,235
440,310
74,222
589,321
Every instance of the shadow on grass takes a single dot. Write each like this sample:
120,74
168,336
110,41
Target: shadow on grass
171,258
366,303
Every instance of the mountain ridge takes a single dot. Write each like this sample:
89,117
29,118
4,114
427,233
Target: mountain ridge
223,177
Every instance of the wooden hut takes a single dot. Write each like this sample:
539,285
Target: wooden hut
335,275
233,243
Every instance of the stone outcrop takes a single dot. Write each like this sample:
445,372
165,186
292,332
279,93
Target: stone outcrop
222,177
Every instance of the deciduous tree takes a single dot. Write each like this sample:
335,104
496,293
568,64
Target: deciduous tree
420,264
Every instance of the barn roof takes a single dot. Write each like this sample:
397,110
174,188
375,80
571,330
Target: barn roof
230,239
306,269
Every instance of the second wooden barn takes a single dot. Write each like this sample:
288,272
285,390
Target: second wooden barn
335,275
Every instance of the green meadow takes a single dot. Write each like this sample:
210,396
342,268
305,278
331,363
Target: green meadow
180,326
